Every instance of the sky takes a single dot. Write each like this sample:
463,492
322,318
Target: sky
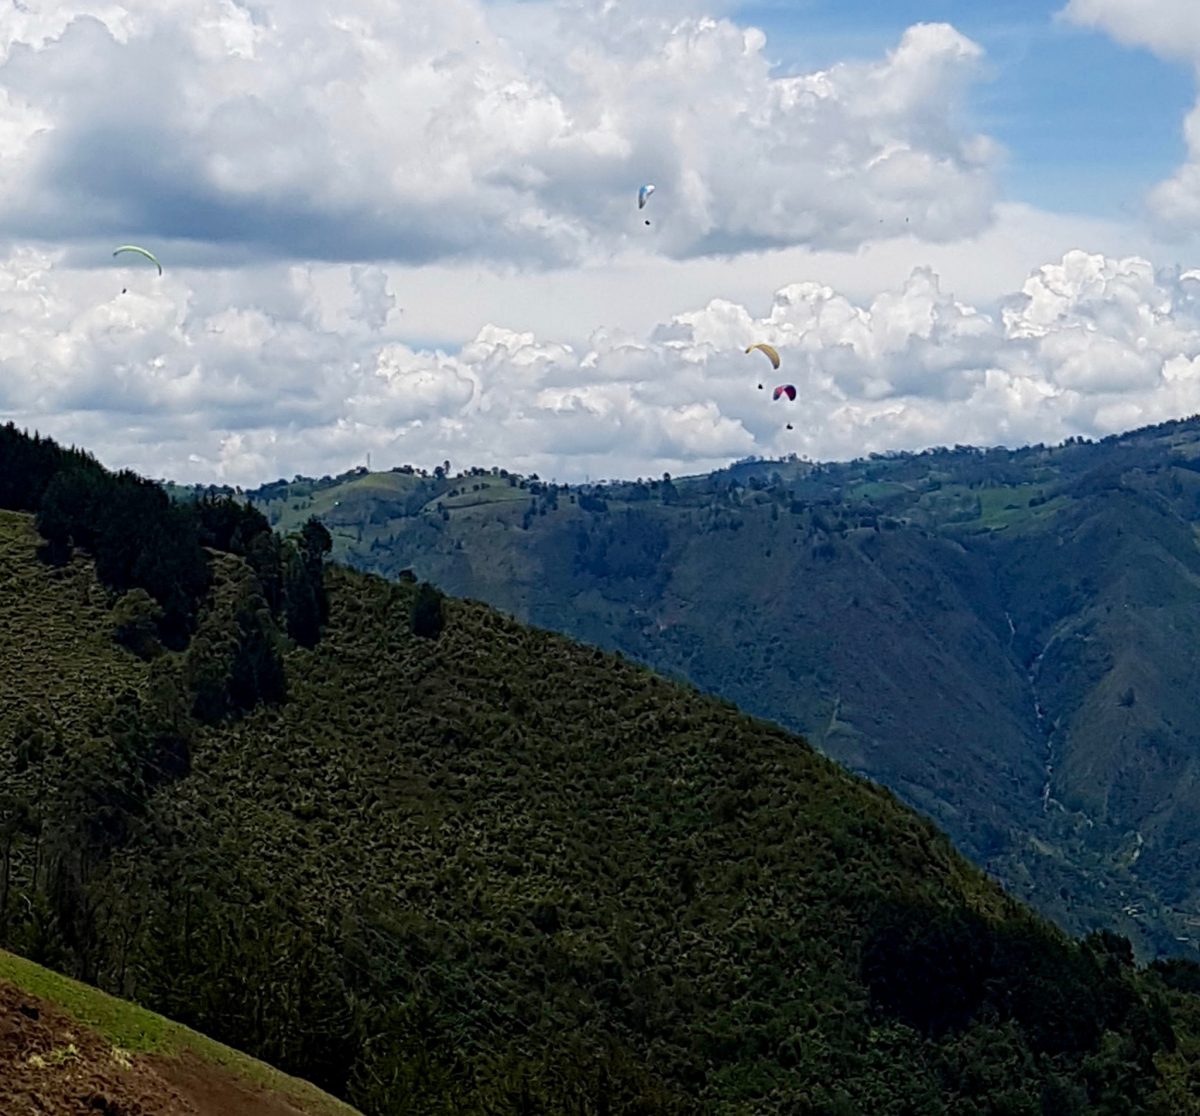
409,229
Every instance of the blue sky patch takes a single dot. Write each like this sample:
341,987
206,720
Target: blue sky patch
1089,125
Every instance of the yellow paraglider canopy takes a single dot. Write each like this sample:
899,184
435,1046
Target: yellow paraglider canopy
772,354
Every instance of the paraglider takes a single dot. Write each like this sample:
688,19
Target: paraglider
771,354
782,390
644,195
141,252
770,351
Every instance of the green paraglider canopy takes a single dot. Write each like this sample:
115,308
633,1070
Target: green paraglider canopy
141,252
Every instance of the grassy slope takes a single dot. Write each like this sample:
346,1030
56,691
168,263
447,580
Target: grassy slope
58,631
58,664
137,1031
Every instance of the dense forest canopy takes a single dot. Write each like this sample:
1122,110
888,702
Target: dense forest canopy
1004,637
441,862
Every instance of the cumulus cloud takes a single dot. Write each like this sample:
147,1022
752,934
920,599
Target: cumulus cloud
1167,27
1171,29
235,382
455,129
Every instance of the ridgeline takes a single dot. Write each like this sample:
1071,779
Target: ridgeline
436,861
1005,638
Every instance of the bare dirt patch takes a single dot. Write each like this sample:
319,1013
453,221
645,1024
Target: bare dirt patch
51,1065
211,1090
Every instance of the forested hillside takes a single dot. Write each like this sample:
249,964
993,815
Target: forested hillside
453,864
1004,637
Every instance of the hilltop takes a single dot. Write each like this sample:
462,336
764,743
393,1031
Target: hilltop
456,864
1003,637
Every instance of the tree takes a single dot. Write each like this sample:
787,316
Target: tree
67,511
302,600
166,708
233,662
135,623
305,603
264,556
256,674
227,525
427,617
206,669
315,541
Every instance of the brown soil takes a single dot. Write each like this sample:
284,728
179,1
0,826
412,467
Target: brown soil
51,1065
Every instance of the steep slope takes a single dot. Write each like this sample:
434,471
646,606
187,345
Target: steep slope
763,603
498,871
66,1048
1113,664
854,639
1003,637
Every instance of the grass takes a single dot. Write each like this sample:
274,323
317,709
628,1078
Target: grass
1000,508
63,662
879,491
136,1030
491,491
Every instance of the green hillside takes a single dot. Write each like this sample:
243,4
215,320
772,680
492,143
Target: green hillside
1005,638
489,870
131,1032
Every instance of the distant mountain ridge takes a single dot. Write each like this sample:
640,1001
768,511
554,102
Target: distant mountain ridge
1006,637
486,870
439,862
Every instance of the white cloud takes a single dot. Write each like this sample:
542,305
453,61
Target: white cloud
1167,27
1171,29
450,164
373,301
448,129
441,304
224,380
410,387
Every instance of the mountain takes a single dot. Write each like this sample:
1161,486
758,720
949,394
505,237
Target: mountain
451,863
66,1048
1006,638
